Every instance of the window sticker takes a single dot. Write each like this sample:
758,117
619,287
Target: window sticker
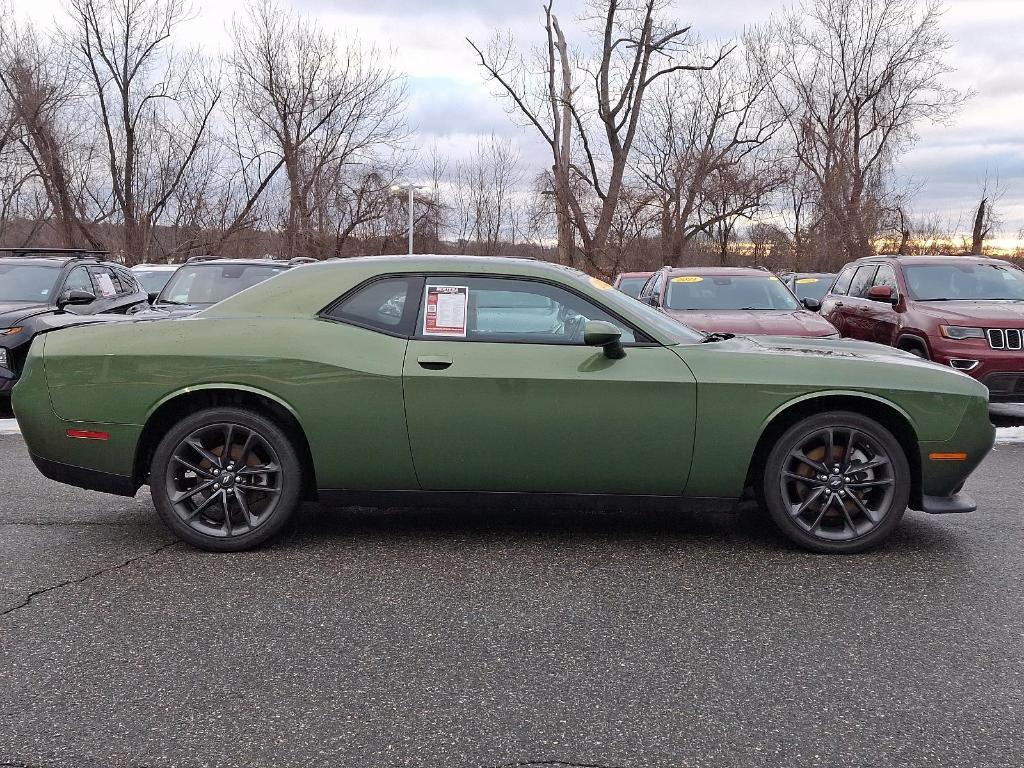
688,279
445,310
773,277
806,280
106,286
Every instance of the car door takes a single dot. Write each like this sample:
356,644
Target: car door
112,296
880,319
835,300
506,397
856,305
78,279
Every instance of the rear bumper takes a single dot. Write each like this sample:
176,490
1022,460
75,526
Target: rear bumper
948,505
89,479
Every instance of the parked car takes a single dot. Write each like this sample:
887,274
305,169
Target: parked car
809,285
630,283
966,312
411,380
153,277
203,281
42,289
738,300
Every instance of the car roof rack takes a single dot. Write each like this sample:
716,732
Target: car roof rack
302,260
29,252
197,259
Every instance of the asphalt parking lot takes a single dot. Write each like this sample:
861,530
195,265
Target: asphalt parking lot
435,638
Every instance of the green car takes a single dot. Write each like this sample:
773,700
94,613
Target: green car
441,380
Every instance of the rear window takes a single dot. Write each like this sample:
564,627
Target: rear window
205,284
382,305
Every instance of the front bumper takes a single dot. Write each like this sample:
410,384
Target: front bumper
939,505
1001,370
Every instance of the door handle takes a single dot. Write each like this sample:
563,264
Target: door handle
434,362
839,304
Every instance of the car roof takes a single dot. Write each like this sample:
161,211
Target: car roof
634,274
720,271
930,259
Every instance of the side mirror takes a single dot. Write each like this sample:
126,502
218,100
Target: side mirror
812,304
599,333
881,293
75,298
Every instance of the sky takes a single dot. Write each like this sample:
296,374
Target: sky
450,104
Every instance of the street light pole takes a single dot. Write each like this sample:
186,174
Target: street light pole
411,220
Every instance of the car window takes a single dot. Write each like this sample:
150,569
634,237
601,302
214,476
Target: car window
128,282
107,284
964,282
862,281
27,282
725,292
78,280
811,286
886,275
659,286
380,305
631,285
494,309
207,283
152,280
842,286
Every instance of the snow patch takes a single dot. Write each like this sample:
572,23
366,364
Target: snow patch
9,427
1010,435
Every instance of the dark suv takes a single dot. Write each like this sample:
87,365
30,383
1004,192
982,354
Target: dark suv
963,311
46,288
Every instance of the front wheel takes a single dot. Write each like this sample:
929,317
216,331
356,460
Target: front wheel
225,479
836,483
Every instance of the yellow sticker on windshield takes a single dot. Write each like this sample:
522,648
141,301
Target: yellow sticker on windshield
773,277
600,284
806,280
688,279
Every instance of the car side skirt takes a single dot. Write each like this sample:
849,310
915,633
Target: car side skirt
504,499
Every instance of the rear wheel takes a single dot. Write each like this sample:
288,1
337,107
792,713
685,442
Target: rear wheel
836,482
225,479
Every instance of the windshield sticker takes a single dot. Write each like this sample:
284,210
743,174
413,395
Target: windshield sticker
806,280
106,286
688,279
773,277
445,311
600,284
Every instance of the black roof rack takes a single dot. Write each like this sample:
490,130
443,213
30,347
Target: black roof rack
38,251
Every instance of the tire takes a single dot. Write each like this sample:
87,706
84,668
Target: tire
850,510
915,348
247,500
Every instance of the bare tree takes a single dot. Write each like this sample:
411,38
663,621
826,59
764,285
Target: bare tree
153,106
307,103
986,217
855,78
42,120
706,151
483,200
591,132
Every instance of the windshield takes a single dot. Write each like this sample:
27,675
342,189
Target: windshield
205,284
153,280
631,285
27,282
964,282
717,293
813,287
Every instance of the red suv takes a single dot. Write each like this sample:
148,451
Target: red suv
739,300
963,311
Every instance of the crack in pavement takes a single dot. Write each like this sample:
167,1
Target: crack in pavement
96,574
554,764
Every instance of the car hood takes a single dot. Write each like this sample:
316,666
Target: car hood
12,312
996,314
798,322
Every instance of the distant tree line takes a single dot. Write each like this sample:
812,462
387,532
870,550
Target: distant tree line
778,148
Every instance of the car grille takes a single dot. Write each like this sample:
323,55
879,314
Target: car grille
1005,338
1005,387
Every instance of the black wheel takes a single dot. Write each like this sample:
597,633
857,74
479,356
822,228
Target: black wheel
225,479
836,482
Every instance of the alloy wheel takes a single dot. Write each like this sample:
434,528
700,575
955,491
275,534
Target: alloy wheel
838,483
224,480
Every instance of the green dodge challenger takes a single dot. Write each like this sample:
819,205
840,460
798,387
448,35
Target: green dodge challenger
440,380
